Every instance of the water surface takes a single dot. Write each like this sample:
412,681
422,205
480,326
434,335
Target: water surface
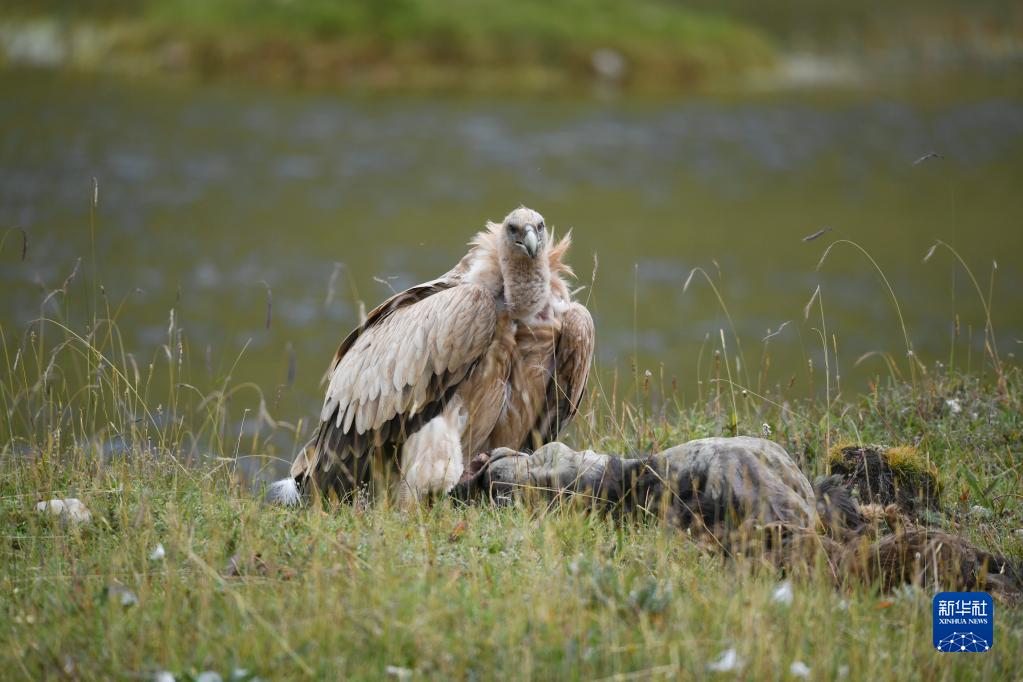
210,194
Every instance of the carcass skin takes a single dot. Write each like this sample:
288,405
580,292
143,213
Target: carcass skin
750,498
718,482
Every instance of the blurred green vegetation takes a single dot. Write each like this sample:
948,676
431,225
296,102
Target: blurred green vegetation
514,25
657,44
566,21
486,31
657,39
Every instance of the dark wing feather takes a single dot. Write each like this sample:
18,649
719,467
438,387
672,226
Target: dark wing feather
395,373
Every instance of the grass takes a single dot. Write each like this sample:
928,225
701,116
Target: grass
371,591
460,593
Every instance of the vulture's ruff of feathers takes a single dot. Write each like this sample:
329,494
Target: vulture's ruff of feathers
492,354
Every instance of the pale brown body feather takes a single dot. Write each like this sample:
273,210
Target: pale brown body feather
494,351
573,355
531,370
483,393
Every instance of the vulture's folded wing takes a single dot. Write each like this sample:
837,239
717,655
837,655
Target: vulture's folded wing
573,356
395,373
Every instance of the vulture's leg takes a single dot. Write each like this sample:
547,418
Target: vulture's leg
431,459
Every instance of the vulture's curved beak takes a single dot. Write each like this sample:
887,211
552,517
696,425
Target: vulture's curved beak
530,242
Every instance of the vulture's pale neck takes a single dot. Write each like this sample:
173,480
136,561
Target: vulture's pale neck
527,284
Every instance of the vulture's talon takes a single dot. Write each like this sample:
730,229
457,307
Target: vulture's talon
476,465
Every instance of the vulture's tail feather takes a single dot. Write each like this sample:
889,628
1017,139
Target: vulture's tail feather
285,493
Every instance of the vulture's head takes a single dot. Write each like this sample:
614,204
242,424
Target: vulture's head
524,234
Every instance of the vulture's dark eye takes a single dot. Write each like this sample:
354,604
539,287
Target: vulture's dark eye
541,226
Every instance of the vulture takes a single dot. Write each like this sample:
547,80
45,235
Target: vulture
495,353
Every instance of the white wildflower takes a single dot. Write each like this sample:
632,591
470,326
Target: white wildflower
783,593
727,662
800,669
982,512
158,552
953,405
397,671
122,594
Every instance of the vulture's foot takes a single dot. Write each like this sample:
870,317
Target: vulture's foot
492,476
471,484
555,470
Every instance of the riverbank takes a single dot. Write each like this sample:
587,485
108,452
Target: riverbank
415,45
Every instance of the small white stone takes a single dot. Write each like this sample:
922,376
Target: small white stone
163,676
843,671
783,593
800,669
158,552
953,406
727,662
209,676
70,508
